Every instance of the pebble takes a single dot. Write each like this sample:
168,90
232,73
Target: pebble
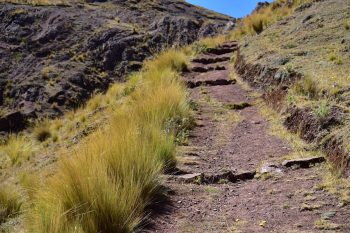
328,215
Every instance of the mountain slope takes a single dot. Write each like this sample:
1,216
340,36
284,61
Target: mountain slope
302,63
56,57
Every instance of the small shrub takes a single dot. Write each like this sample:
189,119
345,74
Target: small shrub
322,110
335,59
347,25
326,225
307,87
199,48
275,98
173,60
18,11
291,99
238,106
54,137
42,133
10,203
80,57
257,25
47,72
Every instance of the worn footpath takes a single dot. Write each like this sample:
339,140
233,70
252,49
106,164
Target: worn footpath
232,175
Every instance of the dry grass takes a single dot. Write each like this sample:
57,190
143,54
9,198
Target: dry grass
18,148
10,203
44,2
307,87
42,132
256,22
110,179
210,42
30,183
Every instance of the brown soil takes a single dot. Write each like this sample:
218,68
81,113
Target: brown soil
230,143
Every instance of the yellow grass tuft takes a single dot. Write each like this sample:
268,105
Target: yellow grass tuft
256,22
18,148
107,183
10,203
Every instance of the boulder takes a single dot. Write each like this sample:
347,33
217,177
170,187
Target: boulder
13,122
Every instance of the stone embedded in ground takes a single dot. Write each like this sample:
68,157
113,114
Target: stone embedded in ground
328,215
204,69
189,178
304,162
270,168
201,69
218,178
210,60
221,51
246,175
238,106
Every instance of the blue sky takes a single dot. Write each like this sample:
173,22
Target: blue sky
235,8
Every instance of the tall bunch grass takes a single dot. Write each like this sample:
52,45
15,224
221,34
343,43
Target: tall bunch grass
258,20
109,181
10,203
18,148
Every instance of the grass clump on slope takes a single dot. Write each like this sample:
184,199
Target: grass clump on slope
111,178
258,20
10,203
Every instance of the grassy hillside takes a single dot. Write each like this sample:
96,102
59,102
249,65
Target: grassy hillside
54,58
114,175
119,143
113,151
312,42
105,182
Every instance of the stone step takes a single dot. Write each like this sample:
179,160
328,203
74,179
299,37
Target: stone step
204,69
221,51
211,60
217,178
215,82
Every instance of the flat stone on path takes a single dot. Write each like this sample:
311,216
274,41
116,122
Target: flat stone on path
188,178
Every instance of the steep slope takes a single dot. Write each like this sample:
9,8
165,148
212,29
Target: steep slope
56,57
308,54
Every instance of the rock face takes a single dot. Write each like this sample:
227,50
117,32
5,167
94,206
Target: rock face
54,58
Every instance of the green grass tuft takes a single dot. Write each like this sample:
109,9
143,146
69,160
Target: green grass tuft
307,87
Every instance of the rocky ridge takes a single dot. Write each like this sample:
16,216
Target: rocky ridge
53,58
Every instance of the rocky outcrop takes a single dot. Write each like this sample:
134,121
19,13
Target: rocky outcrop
53,58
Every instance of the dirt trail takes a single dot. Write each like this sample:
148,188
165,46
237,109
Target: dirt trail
221,186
